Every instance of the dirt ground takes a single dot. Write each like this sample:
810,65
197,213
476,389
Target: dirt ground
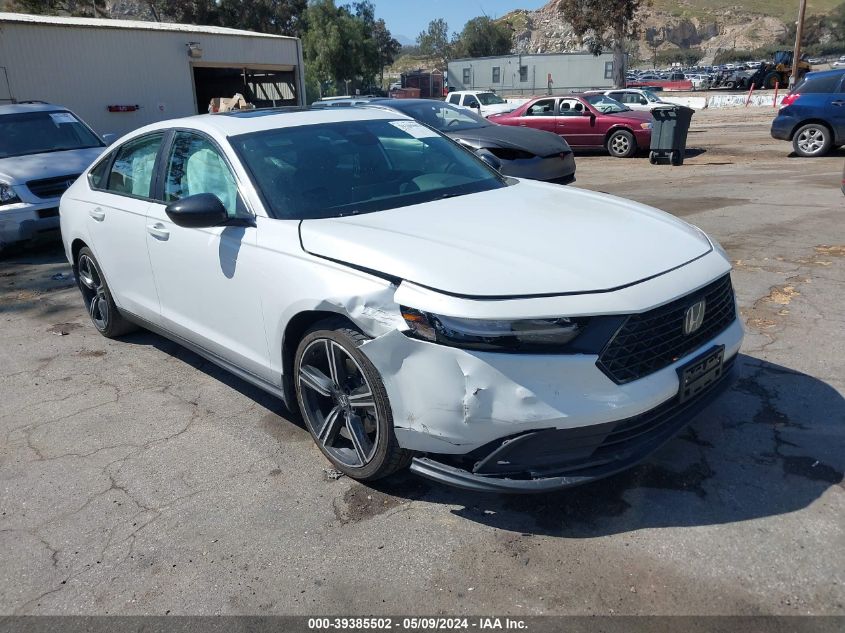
135,478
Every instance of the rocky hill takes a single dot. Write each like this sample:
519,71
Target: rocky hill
710,26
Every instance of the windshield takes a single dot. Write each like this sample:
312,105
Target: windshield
25,133
605,104
441,116
488,98
336,169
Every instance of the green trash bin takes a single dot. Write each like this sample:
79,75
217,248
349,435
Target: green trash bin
669,134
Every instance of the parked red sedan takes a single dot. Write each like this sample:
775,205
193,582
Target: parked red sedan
586,122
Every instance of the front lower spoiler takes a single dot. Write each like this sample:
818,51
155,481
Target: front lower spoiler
577,474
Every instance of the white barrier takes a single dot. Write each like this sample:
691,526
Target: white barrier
696,103
738,101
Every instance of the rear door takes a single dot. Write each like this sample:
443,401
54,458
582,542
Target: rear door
541,115
121,189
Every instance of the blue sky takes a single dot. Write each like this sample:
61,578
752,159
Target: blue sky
409,17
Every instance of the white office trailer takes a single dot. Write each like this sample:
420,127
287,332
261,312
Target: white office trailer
544,73
119,74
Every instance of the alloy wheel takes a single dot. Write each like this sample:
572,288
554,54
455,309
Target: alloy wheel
620,144
338,403
811,140
93,292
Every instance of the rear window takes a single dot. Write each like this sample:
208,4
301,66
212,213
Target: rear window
820,85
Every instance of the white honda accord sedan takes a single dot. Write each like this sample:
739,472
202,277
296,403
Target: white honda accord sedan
413,305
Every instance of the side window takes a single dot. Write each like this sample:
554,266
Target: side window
196,166
132,171
571,107
619,96
98,176
544,107
455,98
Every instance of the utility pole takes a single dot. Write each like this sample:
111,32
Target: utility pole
799,34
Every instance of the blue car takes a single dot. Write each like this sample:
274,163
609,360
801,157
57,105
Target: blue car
812,116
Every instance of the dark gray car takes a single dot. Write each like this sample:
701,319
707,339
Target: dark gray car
520,152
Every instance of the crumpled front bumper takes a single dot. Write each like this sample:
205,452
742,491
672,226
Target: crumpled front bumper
553,459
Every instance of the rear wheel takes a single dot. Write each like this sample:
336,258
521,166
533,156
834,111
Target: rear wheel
97,297
344,403
811,140
621,144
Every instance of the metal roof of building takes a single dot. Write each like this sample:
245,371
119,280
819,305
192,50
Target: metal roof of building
25,18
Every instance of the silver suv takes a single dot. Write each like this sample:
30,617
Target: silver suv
43,149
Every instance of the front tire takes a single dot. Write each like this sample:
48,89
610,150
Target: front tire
811,140
622,144
344,403
98,298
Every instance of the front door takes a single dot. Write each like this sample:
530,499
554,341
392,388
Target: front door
208,279
540,115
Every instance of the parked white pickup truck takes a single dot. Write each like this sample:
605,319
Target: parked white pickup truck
482,102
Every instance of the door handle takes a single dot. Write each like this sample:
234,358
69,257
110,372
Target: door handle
158,231
98,214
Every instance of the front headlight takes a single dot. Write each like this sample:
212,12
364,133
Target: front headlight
537,335
646,125
7,195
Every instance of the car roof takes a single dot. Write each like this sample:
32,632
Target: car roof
30,106
826,73
247,121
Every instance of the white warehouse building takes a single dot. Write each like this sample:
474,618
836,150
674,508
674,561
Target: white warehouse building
526,74
119,74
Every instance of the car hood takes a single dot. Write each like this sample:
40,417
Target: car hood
523,240
537,142
497,108
19,169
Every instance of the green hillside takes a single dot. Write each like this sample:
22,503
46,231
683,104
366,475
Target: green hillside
783,9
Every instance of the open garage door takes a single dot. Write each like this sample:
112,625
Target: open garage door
262,88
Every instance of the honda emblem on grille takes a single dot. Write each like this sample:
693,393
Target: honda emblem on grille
694,317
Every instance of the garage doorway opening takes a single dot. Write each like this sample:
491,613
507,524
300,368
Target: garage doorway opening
261,88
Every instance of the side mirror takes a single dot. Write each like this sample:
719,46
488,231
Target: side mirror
643,102
475,105
200,211
489,159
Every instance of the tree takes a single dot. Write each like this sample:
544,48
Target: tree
281,17
332,42
434,41
387,47
603,24
482,37
88,8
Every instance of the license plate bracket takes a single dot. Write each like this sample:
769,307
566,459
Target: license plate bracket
700,373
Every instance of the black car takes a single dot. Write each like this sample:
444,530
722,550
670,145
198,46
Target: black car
519,152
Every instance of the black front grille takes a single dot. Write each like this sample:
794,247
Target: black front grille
655,339
51,187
